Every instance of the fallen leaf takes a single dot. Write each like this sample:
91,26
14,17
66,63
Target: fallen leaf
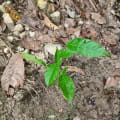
98,18
113,80
31,44
75,69
13,75
44,38
30,20
48,23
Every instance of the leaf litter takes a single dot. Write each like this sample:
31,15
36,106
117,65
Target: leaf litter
13,75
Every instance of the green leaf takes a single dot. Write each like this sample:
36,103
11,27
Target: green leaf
64,71
0,103
51,74
67,86
86,48
58,58
32,58
66,53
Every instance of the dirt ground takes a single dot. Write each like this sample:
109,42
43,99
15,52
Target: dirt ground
98,20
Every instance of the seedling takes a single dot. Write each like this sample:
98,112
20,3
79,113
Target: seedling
54,73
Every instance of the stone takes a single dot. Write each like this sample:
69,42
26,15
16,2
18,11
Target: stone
40,56
51,48
32,34
10,38
8,21
23,34
76,118
6,50
55,16
18,28
20,49
42,4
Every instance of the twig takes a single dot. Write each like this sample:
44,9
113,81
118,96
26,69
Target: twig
91,2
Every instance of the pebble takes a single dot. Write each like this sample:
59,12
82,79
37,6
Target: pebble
2,9
20,49
18,28
32,34
76,118
42,4
40,56
51,48
6,50
70,12
16,33
8,21
10,38
51,116
26,51
80,22
55,17
27,28
23,34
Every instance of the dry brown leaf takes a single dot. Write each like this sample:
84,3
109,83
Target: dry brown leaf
31,44
13,75
75,69
98,18
113,80
48,23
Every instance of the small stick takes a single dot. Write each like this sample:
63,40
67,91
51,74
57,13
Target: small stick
91,2
3,39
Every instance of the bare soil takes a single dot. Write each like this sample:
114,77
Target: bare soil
35,101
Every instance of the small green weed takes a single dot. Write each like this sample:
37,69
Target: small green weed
54,73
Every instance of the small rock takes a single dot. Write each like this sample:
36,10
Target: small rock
80,22
32,34
2,44
16,33
40,56
6,50
27,28
23,34
56,17
2,9
42,4
76,118
10,38
8,21
26,51
51,48
18,28
20,49
70,12
51,116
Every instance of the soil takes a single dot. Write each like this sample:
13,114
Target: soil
36,101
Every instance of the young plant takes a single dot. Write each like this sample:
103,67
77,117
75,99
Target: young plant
54,73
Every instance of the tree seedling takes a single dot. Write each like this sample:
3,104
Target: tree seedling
54,73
